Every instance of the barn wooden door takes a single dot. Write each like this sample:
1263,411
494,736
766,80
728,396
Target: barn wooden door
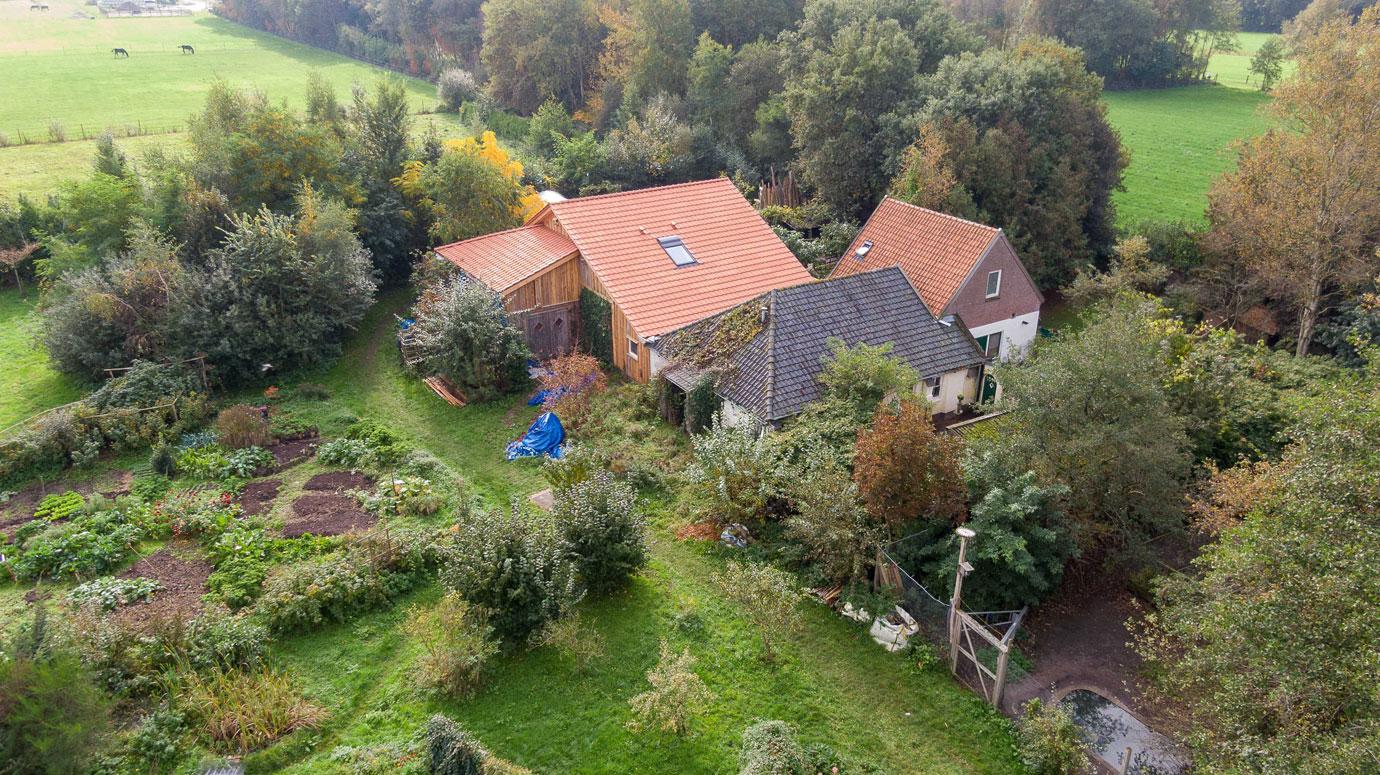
551,330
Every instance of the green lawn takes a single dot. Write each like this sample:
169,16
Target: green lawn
539,712
1233,69
27,384
1180,140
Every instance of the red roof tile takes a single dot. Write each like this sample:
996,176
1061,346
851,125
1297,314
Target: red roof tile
506,258
936,251
737,256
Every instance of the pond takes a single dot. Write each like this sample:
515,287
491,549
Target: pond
1110,730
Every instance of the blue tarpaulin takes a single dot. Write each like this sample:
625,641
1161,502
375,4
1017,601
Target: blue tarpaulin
544,437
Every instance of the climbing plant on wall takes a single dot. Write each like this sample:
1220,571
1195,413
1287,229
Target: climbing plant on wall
596,325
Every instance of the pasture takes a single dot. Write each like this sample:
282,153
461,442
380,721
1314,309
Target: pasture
61,79
27,384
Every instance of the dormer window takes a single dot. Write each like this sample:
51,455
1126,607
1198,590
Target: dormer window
675,248
863,250
993,284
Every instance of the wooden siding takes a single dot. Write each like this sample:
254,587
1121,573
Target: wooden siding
560,284
637,368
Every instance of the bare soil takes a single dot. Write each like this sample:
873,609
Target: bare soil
327,514
257,497
20,507
182,571
289,453
338,481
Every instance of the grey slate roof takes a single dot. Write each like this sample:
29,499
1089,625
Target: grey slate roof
775,373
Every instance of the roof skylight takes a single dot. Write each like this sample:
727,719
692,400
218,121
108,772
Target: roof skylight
675,248
863,250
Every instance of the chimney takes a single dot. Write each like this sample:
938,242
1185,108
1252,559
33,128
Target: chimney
762,313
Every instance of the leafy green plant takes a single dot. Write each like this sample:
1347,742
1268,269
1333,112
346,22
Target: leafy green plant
405,496
57,507
603,531
1050,741
244,463
457,641
202,462
108,592
347,453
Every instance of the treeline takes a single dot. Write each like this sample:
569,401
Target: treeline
262,246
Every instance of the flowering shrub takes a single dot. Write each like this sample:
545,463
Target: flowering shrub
109,593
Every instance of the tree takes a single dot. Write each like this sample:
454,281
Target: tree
53,718
1301,208
1312,20
536,49
829,522
280,292
1267,647
676,697
862,376
707,86
653,149
549,125
766,595
662,38
389,228
741,22
1025,135
603,531
463,334
1268,63
1089,410
905,471
850,69
474,188
1131,271
927,176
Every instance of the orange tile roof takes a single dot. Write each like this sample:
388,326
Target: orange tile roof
936,251
506,258
737,256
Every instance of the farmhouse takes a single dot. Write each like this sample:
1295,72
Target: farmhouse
618,270
959,267
766,354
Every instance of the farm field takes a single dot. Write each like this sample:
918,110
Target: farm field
27,384
60,75
1232,69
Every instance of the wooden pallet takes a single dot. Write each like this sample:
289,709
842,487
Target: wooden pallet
445,390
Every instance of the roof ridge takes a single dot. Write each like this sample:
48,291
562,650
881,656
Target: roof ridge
904,203
554,205
771,353
523,227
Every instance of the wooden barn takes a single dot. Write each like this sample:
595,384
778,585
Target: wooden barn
612,273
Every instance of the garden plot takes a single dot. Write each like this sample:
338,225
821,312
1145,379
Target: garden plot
327,514
291,452
181,573
256,499
339,481
19,508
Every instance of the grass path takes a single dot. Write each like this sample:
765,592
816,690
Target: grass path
27,384
537,711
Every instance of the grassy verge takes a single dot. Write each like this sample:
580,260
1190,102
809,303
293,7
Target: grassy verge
27,384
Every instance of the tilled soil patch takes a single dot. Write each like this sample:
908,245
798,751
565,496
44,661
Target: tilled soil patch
327,514
257,497
289,453
338,481
182,572
20,507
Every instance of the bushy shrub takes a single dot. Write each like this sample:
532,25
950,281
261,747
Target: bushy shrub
108,593
346,453
1050,741
456,87
577,463
244,710
458,643
463,334
603,531
570,381
313,391
676,697
163,461
150,489
372,570
771,748
515,567
451,750
52,716
242,426
766,595
731,477
158,741
569,636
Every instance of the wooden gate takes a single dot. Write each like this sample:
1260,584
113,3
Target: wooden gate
552,330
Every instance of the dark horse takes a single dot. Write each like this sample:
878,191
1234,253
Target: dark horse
119,52
186,49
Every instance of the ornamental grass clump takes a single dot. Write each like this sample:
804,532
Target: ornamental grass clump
242,426
241,711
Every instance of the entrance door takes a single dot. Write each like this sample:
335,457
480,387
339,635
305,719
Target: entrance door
551,330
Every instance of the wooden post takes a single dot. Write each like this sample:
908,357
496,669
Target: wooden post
1004,654
954,621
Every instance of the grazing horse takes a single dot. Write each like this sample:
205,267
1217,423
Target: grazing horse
186,49
38,7
119,52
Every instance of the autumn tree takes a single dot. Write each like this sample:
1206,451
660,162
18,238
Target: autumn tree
1266,650
1302,209
535,49
474,188
905,471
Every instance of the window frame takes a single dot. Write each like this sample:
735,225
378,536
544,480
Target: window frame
993,349
992,294
671,241
933,390
634,349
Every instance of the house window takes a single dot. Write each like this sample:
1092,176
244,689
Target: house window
675,248
633,348
932,387
994,344
993,284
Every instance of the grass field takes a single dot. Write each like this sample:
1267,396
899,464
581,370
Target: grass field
59,70
1180,141
1233,69
27,384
